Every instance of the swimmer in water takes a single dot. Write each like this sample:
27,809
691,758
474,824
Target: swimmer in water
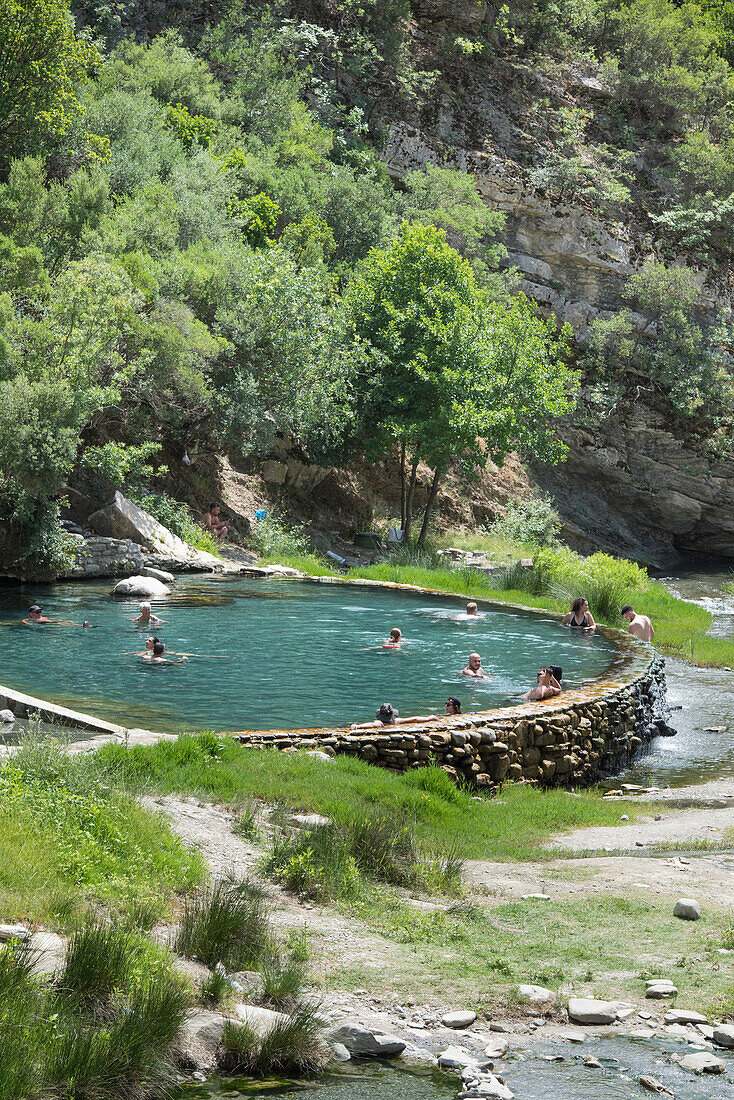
146,616
35,615
396,637
453,706
471,613
471,609
149,643
474,668
547,686
388,716
156,656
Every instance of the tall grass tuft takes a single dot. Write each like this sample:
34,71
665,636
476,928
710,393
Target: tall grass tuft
283,980
226,923
294,1045
99,958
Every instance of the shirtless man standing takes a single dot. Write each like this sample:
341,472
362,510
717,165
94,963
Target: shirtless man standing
213,523
639,625
474,667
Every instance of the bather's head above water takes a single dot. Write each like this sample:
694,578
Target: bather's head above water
386,713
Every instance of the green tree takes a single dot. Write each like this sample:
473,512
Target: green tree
454,375
43,60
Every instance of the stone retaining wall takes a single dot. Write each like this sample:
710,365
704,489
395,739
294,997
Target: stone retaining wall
99,556
570,741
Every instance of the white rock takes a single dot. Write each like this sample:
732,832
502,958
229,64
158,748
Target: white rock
724,1035
418,1056
658,981
536,897
535,994
320,755
657,992
340,1052
307,821
573,1036
260,1020
7,716
157,574
703,1063
497,1048
487,1086
458,1058
458,1019
687,909
587,1010
363,1041
199,1039
13,932
140,586
684,1016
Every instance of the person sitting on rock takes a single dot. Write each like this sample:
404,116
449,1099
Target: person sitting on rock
157,656
396,637
453,706
474,668
387,715
546,687
579,616
214,524
639,625
146,616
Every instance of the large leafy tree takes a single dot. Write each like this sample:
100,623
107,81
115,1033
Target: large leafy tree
42,59
455,375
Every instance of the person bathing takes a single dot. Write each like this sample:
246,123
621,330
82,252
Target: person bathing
639,625
146,616
474,668
387,715
547,686
212,522
453,706
396,637
579,616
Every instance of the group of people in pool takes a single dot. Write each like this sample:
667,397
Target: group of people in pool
548,678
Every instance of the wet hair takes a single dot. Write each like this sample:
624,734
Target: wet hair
557,672
472,605
627,607
154,640
33,607
578,603
455,703
144,605
387,714
396,633
158,649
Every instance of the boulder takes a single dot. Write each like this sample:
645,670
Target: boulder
658,990
13,932
320,755
475,1083
703,1063
140,586
7,715
418,1056
459,1019
460,1058
340,1052
157,574
260,1020
724,1035
586,1010
535,994
199,1039
497,1048
367,1043
683,1016
687,909
121,519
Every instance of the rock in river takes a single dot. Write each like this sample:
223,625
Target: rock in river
703,1063
367,1043
140,586
724,1035
458,1019
586,1010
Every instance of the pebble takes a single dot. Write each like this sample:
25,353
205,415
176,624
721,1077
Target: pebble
593,1063
687,909
573,1036
625,817
658,817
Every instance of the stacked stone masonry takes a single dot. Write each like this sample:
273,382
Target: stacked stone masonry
99,556
570,741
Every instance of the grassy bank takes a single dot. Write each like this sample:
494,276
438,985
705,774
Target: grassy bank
512,827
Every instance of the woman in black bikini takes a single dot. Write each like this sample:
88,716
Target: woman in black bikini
579,615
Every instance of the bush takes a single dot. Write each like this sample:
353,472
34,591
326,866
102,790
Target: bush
533,521
273,538
178,519
98,960
226,924
294,1045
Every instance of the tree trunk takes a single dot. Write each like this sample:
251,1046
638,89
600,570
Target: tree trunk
409,502
403,486
429,506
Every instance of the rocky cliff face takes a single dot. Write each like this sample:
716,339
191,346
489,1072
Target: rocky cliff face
630,485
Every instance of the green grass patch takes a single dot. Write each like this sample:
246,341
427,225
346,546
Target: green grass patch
511,827
67,836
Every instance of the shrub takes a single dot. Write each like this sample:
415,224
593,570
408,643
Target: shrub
293,1045
226,924
532,521
272,537
98,960
178,519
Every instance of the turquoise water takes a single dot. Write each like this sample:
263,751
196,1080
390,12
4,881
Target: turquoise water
278,654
